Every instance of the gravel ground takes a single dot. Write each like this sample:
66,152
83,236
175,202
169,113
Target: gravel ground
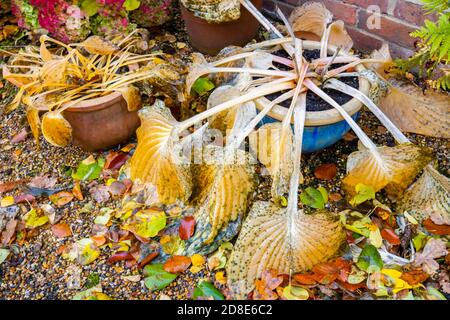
36,270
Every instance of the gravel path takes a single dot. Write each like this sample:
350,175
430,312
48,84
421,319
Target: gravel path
36,270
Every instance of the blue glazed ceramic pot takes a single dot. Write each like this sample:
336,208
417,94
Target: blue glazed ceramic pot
316,138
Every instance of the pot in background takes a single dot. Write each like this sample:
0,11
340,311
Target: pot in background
102,122
210,38
322,128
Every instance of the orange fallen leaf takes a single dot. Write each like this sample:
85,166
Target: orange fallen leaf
414,277
325,171
61,198
439,229
305,278
390,236
177,264
61,230
187,227
76,191
99,240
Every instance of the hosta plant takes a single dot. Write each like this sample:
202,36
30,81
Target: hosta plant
51,80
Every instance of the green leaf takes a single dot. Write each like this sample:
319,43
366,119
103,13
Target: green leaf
419,241
90,7
312,198
4,253
203,86
33,219
369,259
146,223
295,293
89,169
131,4
207,289
363,193
156,277
324,193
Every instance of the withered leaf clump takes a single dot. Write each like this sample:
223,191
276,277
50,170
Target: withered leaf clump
392,168
225,184
266,242
428,197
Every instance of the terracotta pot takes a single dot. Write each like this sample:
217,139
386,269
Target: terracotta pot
210,38
102,122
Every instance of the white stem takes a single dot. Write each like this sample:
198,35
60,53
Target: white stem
251,95
324,43
342,87
336,71
361,135
249,128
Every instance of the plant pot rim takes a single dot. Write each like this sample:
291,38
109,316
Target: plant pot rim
325,117
201,20
96,103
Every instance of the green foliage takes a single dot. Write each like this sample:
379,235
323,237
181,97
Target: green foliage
207,289
434,44
314,198
156,277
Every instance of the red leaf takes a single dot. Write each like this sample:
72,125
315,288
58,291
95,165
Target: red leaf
24,198
414,277
334,196
10,186
148,259
119,256
61,230
177,264
115,160
390,236
352,287
441,230
187,227
325,171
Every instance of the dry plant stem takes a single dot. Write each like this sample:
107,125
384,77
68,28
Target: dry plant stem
337,71
299,124
252,124
324,43
358,131
266,24
340,59
251,95
342,87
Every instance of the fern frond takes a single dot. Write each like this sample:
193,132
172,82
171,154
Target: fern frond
436,5
443,83
436,35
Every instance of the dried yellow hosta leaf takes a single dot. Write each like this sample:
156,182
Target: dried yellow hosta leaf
15,79
43,51
339,36
225,184
413,111
132,96
392,168
98,45
267,242
34,123
154,161
428,197
54,71
309,21
55,129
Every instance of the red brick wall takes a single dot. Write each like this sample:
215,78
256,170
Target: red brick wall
397,19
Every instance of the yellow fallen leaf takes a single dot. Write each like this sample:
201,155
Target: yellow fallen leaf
7,201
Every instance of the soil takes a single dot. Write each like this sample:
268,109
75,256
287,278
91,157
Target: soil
313,101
